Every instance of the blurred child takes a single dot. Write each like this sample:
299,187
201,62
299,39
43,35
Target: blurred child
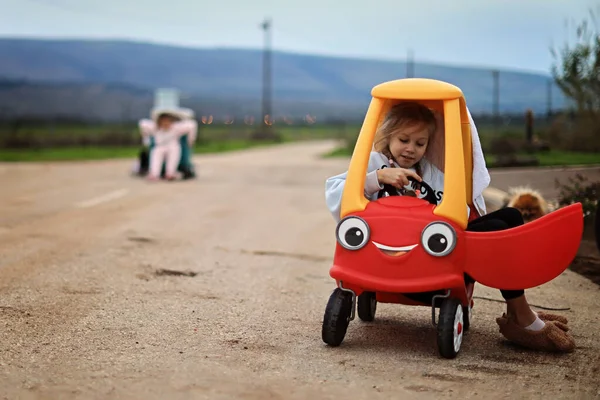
166,130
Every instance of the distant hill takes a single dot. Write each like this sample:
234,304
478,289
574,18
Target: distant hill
116,102
115,79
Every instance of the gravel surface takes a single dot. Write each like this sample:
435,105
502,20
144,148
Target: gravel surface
113,287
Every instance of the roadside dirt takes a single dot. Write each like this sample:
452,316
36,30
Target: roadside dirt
112,287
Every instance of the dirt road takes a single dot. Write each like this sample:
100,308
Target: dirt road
85,311
542,179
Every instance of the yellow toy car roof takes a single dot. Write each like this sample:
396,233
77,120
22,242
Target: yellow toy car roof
440,96
416,89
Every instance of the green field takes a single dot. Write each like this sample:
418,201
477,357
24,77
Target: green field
94,142
545,159
67,153
554,157
46,142
100,153
557,157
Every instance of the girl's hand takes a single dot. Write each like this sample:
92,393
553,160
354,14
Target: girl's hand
397,177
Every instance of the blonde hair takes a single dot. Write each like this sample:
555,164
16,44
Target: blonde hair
403,115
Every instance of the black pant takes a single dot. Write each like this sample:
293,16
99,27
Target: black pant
501,219
144,160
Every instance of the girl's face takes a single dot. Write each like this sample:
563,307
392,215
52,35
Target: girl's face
165,122
408,145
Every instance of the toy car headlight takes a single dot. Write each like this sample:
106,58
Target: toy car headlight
438,239
352,233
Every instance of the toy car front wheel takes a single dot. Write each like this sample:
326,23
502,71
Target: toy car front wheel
367,305
450,328
337,317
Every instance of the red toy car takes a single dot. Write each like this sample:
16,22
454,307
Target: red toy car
425,262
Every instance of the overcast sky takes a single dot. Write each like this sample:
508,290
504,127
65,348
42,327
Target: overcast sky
515,34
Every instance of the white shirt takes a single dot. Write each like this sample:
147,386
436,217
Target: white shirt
334,186
177,129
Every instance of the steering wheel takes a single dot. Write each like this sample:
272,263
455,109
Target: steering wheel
392,191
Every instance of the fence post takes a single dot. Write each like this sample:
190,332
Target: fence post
529,126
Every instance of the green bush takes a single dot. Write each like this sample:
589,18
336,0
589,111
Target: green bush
580,190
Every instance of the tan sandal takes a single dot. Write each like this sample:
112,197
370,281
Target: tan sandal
553,337
551,317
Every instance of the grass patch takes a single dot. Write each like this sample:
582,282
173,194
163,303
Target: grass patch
339,152
67,153
231,145
557,158
103,153
546,159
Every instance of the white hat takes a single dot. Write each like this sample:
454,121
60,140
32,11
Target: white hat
180,113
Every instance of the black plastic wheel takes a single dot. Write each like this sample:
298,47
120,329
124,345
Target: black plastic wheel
467,317
337,317
450,328
367,305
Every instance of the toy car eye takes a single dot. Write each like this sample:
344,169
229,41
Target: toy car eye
438,239
352,233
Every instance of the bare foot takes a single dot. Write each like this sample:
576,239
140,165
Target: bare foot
552,317
520,312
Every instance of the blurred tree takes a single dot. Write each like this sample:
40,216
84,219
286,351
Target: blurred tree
578,71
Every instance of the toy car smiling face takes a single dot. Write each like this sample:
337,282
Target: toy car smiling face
437,239
399,250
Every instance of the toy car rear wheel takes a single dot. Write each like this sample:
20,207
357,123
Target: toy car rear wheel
337,317
366,305
450,328
467,316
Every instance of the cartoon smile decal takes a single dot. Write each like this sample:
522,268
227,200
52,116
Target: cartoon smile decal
437,238
394,251
353,233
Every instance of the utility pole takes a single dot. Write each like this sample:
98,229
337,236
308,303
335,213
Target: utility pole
549,99
266,95
496,99
410,67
